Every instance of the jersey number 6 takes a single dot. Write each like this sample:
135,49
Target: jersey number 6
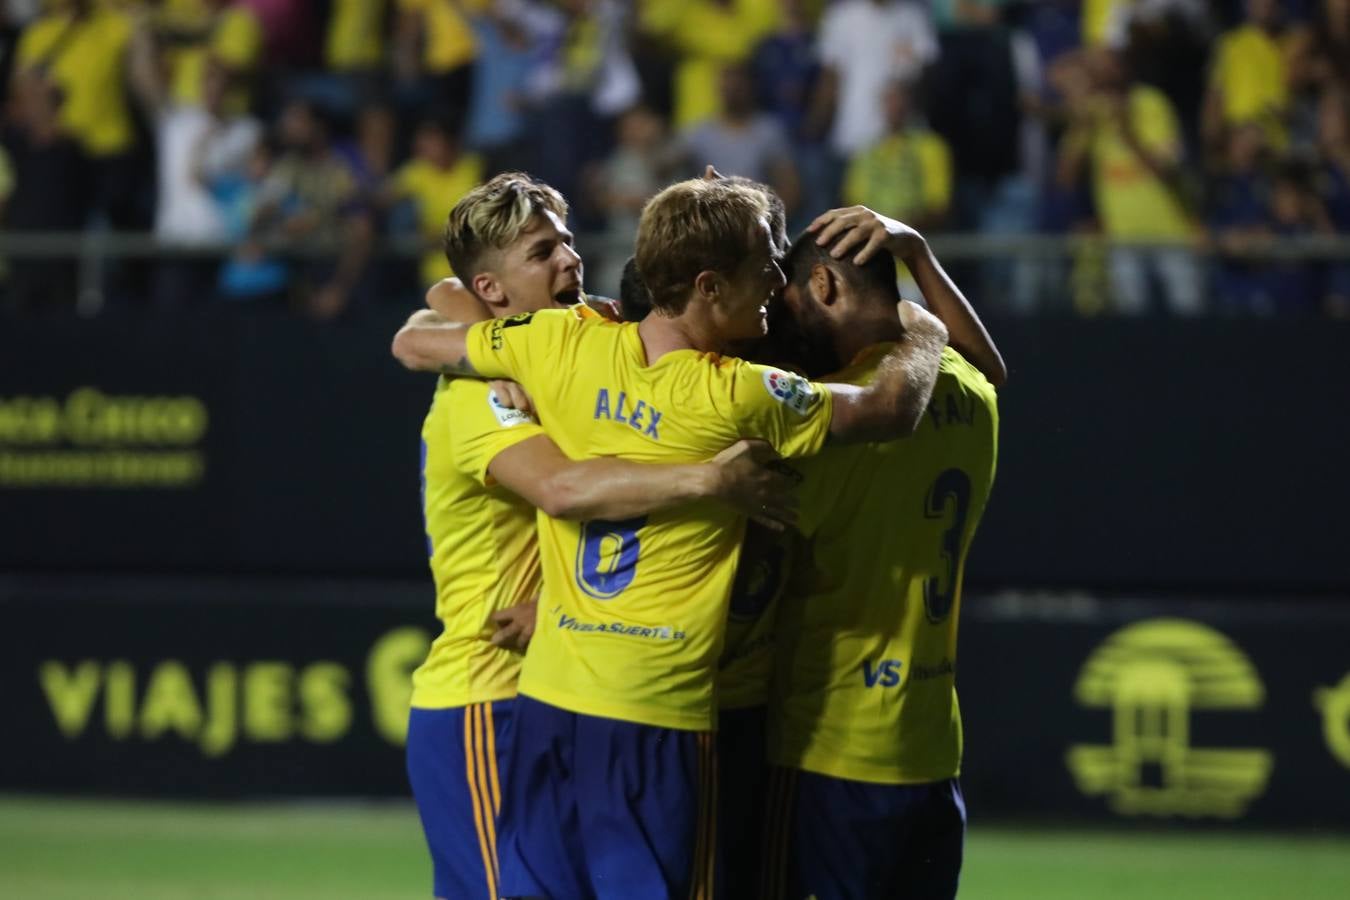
607,556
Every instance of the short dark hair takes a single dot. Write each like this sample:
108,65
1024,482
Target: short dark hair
634,298
874,278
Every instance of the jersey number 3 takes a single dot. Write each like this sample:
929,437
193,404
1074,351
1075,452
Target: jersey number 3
607,556
939,592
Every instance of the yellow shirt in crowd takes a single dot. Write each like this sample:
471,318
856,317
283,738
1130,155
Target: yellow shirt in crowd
1250,72
902,174
434,192
355,39
448,40
708,36
87,61
1132,201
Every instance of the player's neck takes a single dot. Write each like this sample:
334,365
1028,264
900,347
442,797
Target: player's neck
666,334
866,330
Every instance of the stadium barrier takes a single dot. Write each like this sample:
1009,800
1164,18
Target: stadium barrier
1134,454
1078,706
1052,272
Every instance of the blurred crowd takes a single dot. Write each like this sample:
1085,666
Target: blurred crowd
1193,137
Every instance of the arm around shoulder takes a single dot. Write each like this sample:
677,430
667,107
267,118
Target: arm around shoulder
428,342
891,407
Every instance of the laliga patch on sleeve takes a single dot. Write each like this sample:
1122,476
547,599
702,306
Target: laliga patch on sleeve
793,391
506,416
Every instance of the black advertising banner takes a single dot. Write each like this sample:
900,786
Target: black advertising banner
1133,454
1225,709
210,688
1074,706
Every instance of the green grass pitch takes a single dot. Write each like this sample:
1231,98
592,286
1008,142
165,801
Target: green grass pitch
52,849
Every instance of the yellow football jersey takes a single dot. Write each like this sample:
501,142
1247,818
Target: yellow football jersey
866,656
481,538
746,666
633,612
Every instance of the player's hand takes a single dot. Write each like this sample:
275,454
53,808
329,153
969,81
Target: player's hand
752,480
515,626
513,396
920,321
862,232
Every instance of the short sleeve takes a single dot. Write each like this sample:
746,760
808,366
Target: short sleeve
511,347
481,427
789,412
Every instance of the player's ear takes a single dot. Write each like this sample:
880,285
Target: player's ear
707,283
823,284
489,289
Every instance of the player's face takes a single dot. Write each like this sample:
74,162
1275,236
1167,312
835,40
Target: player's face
744,309
540,269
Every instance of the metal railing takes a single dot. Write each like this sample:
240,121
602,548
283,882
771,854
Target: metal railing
91,250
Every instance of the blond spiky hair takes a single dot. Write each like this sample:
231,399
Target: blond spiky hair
492,216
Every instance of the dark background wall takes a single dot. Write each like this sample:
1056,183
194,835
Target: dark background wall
1135,454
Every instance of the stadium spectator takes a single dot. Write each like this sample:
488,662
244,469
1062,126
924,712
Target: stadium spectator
743,141
640,166
785,71
197,32
370,152
1241,223
1334,144
1319,55
581,79
496,129
864,46
433,181
311,197
14,16
197,137
49,193
251,273
291,37
907,174
354,43
434,52
1126,134
1249,78
1294,286
81,47
706,35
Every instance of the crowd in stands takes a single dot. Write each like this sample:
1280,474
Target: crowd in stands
1193,136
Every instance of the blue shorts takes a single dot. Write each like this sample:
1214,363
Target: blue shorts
600,808
743,776
836,839
455,757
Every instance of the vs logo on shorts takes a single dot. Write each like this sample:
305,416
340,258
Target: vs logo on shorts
793,391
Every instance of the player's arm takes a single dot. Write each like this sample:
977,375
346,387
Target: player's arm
607,488
864,233
891,407
429,342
